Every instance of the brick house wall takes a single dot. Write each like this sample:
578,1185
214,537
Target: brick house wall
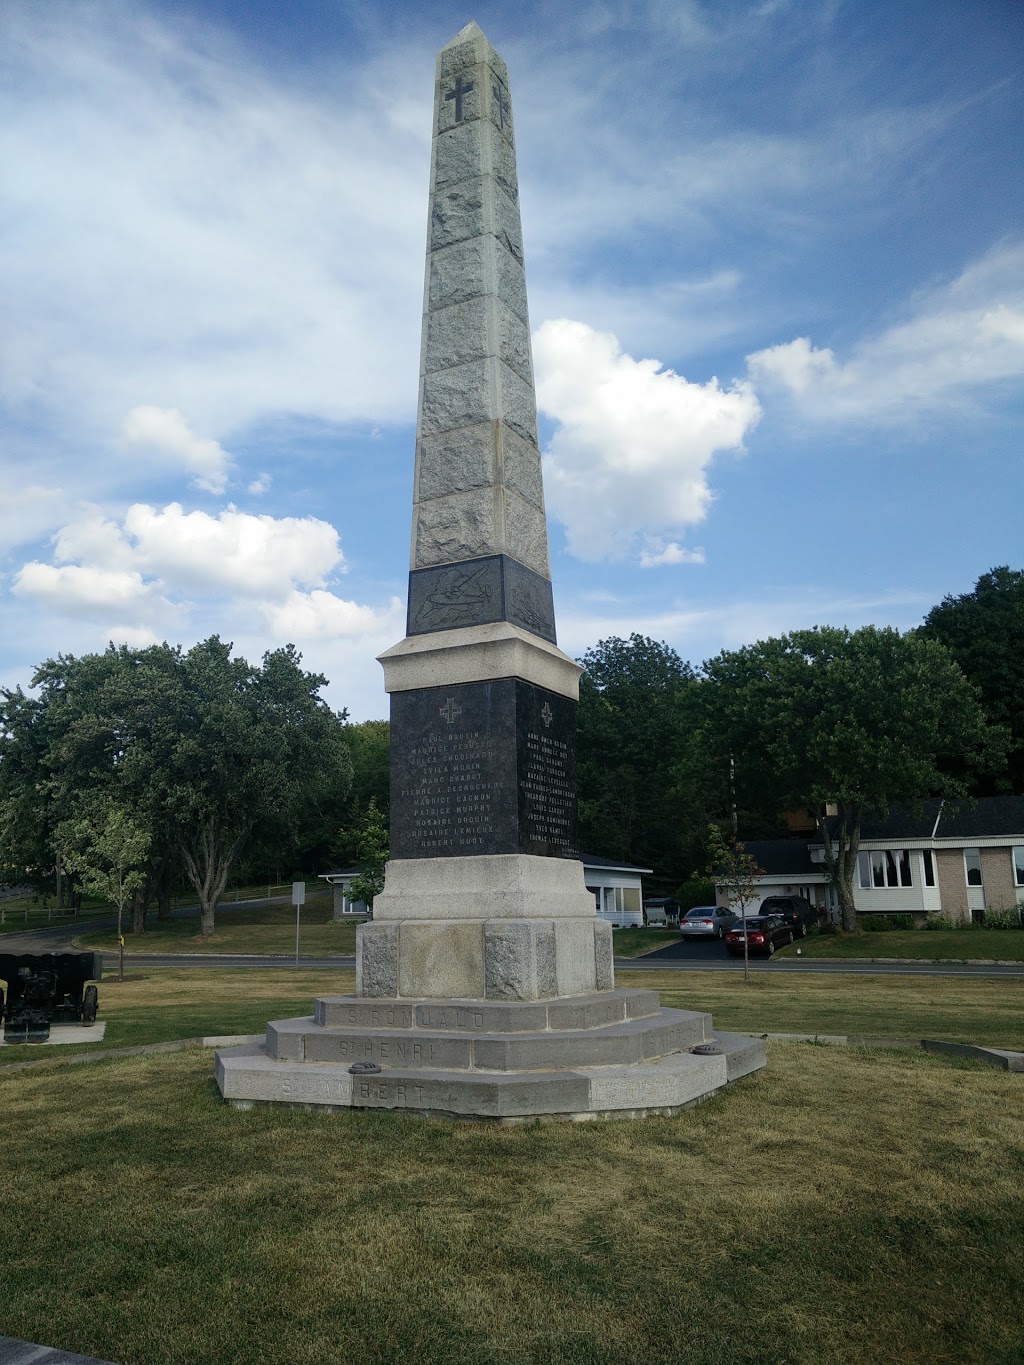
949,867
997,874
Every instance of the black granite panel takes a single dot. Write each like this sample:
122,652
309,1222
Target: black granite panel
453,771
528,601
477,592
486,767
452,595
546,745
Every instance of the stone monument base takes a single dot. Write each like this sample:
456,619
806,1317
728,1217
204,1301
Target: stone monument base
491,927
613,1054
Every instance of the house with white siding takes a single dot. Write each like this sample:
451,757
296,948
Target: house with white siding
954,861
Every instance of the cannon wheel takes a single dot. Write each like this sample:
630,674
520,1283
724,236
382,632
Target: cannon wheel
90,1004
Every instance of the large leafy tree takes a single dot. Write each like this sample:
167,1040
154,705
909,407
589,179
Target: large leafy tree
857,720
210,754
984,632
633,748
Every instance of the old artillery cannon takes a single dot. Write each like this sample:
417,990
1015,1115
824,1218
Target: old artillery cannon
45,989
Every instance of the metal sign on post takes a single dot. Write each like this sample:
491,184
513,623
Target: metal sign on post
298,900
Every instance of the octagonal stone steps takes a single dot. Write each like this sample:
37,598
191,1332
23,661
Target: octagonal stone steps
615,1054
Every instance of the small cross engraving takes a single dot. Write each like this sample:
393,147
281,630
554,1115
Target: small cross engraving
461,88
546,715
451,710
501,100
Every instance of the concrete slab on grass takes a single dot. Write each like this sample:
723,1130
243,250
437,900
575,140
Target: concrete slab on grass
995,1056
14,1352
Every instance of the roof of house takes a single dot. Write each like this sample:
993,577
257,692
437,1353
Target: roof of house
610,864
987,817
783,856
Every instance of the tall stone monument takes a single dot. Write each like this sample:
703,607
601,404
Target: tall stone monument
484,894
484,984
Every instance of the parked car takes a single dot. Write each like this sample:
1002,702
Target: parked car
707,921
800,913
764,933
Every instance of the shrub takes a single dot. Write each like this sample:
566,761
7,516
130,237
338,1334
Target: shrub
1003,919
695,892
876,924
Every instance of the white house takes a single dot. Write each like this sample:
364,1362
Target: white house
944,860
618,889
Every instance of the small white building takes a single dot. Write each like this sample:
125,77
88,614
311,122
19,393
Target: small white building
617,889
340,882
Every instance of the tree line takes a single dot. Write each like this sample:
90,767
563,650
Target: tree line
134,771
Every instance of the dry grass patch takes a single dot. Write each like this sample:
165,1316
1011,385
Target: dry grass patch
958,1009
886,1227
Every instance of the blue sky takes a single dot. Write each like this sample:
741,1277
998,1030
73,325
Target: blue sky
775,254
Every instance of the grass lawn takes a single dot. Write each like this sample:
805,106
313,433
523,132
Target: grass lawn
843,1206
957,1009
636,942
158,1004
939,945
261,929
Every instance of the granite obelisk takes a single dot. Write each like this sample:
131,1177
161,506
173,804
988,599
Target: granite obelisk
484,982
484,895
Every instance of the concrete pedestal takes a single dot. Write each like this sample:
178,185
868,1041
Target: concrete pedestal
614,1054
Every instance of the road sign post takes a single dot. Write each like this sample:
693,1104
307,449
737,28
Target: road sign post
298,900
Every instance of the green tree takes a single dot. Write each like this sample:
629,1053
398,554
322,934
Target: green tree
368,744
737,872
633,728
984,632
110,854
372,856
859,720
212,755
255,753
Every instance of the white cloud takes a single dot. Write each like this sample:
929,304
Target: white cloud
956,340
634,440
319,615
166,430
657,553
251,556
161,565
259,484
102,594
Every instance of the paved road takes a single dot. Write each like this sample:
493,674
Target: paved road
691,956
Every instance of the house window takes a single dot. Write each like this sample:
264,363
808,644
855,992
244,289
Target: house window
929,867
884,868
972,866
1018,865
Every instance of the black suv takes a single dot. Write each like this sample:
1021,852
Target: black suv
801,914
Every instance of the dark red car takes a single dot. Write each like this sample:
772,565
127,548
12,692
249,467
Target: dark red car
765,933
